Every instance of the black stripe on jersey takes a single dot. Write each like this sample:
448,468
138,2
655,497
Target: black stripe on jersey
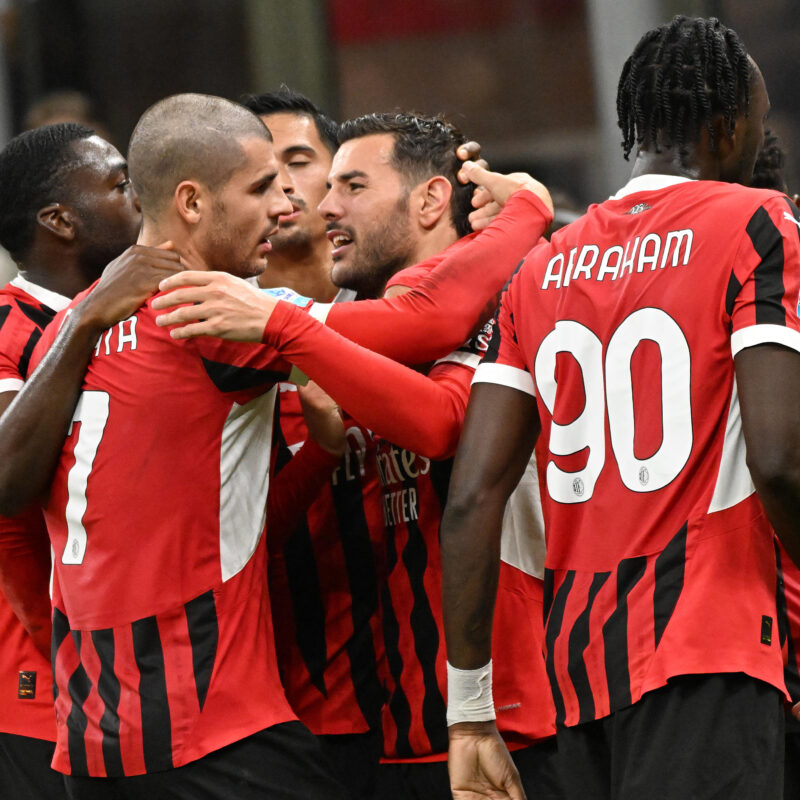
60,633
4,312
41,316
230,378
78,687
795,212
398,704
768,243
578,641
490,356
615,634
362,578
201,618
109,690
156,731
426,635
791,673
734,287
554,621
669,574
25,358
308,603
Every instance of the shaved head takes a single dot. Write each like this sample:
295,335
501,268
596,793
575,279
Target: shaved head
188,137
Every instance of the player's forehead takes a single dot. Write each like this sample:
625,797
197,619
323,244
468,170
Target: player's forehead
292,130
369,156
95,154
258,160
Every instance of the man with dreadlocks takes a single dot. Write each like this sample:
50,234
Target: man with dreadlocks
635,347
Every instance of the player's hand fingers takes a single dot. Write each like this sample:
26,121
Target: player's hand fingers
177,297
193,330
188,278
480,197
469,151
182,315
483,217
796,710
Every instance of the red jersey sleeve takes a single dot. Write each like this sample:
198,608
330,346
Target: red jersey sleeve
503,363
18,337
294,488
366,384
764,287
441,311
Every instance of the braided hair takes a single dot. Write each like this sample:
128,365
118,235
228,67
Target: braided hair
678,77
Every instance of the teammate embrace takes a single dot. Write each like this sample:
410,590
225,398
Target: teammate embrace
201,579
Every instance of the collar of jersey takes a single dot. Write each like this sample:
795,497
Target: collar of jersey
51,299
648,183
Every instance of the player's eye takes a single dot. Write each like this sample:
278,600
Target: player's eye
123,185
354,187
299,162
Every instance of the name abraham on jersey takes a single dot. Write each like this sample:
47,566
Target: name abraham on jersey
653,250
396,466
125,336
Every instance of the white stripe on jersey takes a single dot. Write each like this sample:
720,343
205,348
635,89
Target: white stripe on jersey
10,385
764,334
470,360
320,311
244,480
522,537
734,483
504,375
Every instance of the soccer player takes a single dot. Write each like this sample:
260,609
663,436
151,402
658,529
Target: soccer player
324,573
164,662
637,345
396,210
66,209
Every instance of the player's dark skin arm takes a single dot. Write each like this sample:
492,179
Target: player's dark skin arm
500,430
35,424
768,381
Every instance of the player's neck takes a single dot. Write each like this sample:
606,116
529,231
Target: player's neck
68,280
153,234
666,162
433,243
309,276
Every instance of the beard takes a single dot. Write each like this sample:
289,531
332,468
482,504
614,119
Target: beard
377,255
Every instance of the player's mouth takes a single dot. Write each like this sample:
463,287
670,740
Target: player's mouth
264,246
298,206
340,240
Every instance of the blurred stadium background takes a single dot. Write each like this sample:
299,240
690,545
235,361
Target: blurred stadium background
533,80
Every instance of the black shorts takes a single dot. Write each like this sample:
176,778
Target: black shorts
701,736
353,758
282,762
430,781
25,769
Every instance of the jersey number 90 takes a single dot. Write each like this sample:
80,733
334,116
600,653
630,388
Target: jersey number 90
608,390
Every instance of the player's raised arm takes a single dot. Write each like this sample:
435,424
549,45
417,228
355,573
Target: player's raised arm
33,427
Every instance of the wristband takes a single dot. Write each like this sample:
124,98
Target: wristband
469,694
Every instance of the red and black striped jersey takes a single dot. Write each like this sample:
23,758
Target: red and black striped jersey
414,494
162,637
789,618
325,577
26,694
659,555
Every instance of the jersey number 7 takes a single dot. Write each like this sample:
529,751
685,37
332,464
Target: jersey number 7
92,413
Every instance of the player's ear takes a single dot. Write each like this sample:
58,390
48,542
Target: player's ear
726,144
59,220
433,200
191,201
